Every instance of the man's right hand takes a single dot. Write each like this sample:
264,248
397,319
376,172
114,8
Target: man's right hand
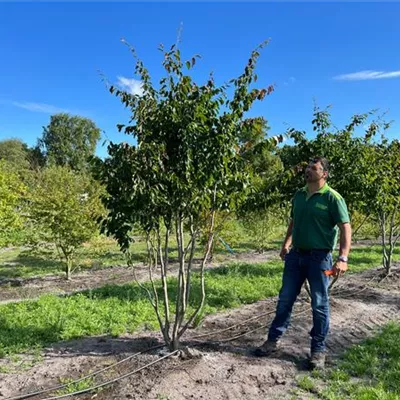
283,253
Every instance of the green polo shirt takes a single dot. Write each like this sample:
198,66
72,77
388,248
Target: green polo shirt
315,218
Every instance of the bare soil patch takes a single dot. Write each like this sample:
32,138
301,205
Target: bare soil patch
227,368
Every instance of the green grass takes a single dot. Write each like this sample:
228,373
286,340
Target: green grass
362,257
115,309
369,371
101,252
98,253
305,383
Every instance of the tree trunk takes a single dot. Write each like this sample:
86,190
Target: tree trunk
68,268
180,308
382,223
202,277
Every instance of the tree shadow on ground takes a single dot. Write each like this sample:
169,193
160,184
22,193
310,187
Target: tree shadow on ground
29,264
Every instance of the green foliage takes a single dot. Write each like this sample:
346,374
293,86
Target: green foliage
229,234
364,170
65,206
368,371
380,173
185,162
69,141
187,166
72,387
305,383
342,147
264,166
264,226
12,191
44,259
16,153
364,226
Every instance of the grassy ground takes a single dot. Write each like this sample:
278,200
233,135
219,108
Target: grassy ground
363,257
369,371
116,309
101,252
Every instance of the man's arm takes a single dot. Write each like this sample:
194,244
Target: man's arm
287,242
345,243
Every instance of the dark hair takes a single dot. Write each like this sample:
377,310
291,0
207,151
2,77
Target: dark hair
324,162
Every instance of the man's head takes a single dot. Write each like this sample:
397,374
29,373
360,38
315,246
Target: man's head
317,169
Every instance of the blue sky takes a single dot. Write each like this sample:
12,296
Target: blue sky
344,54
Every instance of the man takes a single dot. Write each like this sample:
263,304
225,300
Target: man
318,212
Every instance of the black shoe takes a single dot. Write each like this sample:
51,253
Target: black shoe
267,348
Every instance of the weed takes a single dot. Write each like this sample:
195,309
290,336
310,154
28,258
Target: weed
305,383
72,387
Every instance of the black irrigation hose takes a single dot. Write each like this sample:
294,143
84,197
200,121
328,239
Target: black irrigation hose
260,327
26,396
111,380
152,363
52,389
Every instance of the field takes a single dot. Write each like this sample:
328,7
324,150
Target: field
55,331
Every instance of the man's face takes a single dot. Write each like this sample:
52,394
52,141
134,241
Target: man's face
315,172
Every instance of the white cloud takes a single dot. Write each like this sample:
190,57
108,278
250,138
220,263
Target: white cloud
132,86
39,107
292,79
368,75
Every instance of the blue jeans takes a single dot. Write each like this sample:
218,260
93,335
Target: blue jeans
300,266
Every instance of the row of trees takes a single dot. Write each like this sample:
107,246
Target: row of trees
198,161
47,193
67,141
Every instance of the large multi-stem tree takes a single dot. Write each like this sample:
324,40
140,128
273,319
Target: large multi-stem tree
69,140
185,167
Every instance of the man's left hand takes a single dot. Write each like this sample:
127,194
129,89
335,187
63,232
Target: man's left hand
339,268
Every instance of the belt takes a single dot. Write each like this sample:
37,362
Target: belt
309,251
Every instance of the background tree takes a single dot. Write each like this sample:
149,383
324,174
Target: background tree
186,167
15,153
379,169
12,191
260,213
69,141
364,170
65,207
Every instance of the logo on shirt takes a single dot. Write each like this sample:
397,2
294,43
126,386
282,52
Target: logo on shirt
321,206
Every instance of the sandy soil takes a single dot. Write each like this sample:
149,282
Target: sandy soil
226,369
